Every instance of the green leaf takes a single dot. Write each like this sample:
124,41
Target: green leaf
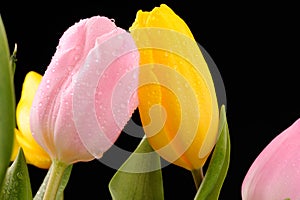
218,166
139,177
16,184
40,193
7,106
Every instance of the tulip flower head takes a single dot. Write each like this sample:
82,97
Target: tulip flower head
78,112
275,172
178,104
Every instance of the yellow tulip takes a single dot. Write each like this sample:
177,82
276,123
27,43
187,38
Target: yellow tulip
177,99
34,154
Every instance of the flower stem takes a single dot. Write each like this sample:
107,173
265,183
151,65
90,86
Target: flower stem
55,178
198,177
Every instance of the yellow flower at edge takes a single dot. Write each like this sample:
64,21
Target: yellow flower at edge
34,153
177,100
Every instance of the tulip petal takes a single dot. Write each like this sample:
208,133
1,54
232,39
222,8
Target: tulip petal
30,86
275,172
115,60
32,150
16,147
161,17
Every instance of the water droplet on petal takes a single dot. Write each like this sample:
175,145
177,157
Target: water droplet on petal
98,156
76,57
69,68
134,76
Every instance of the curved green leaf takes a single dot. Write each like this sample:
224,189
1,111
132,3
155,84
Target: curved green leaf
139,177
218,166
16,184
7,106
40,193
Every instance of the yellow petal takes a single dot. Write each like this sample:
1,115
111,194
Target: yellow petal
161,17
30,86
181,84
16,147
33,152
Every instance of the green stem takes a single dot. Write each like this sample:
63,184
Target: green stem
55,178
198,177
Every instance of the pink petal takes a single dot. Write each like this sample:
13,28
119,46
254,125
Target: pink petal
275,174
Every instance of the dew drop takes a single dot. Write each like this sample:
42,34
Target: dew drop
40,104
20,175
69,68
113,20
56,61
98,156
134,76
76,57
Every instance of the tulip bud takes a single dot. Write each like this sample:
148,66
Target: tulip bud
275,172
178,104
77,112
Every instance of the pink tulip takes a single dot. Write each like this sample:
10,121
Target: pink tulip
87,93
275,174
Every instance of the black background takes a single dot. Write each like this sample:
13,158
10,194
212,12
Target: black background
253,45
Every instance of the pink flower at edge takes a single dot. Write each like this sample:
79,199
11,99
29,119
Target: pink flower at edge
275,174
87,93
